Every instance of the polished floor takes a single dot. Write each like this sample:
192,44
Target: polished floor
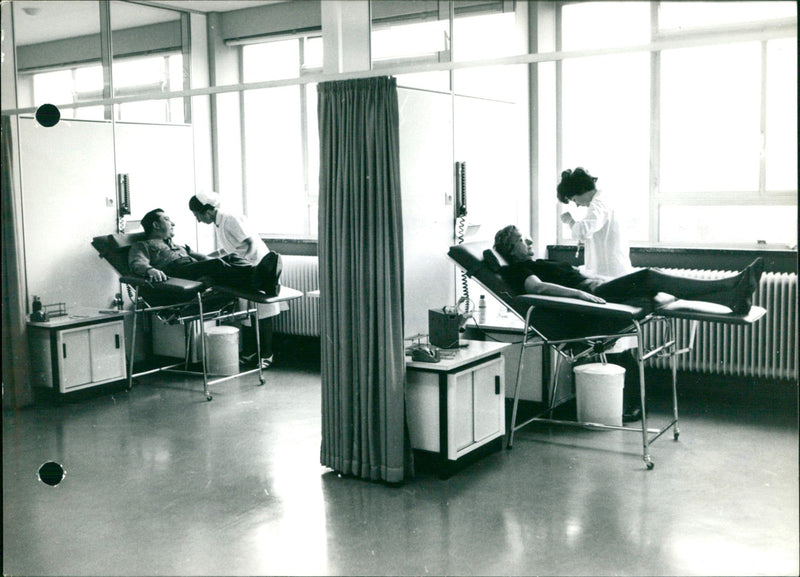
160,482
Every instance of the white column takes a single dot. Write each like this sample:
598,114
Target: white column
345,35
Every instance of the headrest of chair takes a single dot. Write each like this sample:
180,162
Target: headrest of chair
117,242
492,260
471,255
474,258
114,248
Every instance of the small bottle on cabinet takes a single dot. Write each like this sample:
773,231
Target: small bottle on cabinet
482,309
38,314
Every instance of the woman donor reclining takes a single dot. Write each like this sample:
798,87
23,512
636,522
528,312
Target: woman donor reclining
528,275
157,258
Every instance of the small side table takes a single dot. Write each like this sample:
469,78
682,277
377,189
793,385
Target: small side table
456,407
84,348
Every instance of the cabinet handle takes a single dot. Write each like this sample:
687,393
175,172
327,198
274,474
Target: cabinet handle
64,349
116,338
497,384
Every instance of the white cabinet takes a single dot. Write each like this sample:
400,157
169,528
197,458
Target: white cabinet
456,407
82,350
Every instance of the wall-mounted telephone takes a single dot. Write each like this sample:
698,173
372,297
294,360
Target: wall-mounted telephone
461,189
123,195
461,220
123,200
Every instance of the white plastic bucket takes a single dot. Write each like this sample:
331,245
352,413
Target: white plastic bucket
598,389
222,350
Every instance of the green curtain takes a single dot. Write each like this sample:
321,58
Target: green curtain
361,280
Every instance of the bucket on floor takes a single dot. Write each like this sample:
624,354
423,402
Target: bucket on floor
598,389
222,350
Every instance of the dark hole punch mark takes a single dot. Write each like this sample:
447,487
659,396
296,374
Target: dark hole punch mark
48,115
51,473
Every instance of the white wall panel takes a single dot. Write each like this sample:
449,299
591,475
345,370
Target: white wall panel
67,174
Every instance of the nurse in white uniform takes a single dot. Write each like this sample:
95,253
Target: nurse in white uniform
607,253
236,235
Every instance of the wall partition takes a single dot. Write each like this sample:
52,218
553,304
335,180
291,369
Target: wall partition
72,55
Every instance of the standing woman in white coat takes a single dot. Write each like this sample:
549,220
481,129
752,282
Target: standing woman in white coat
606,253
236,235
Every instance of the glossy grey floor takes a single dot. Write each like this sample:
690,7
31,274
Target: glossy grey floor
160,482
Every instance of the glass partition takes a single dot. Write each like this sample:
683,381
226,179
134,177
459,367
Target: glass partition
148,58
59,55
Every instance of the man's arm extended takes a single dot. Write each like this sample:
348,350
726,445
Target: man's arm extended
194,254
139,263
537,287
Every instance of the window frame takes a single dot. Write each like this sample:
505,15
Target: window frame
763,32
310,199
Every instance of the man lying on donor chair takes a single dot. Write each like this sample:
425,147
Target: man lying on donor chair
157,259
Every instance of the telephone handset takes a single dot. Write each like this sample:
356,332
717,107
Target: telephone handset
461,189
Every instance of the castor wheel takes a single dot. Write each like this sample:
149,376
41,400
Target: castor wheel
261,380
675,435
208,397
650,465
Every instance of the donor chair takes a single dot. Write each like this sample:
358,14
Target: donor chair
186,302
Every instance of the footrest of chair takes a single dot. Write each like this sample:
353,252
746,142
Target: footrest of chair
171,286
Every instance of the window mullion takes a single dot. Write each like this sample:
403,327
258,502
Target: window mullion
304,138
242,130
655,130
762,168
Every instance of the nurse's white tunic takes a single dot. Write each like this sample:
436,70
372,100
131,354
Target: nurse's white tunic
606,252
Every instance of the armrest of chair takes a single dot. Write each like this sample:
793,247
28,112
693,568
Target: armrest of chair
578,307
171,286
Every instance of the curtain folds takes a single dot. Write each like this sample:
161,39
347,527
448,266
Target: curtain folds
16,393
361,280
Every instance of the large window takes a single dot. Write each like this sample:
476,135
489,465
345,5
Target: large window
281,141
132,76
697,140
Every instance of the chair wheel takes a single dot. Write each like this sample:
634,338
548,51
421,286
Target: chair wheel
676,435
650,465
209,397
261,380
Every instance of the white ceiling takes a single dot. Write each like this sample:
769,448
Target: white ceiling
211,5
37,21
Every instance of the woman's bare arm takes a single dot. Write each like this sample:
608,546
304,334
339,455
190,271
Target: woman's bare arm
533,285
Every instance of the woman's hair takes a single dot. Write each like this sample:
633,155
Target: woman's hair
505,239
150,218
573,183
195,205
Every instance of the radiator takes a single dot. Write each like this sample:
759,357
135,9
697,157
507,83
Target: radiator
767,349
302,318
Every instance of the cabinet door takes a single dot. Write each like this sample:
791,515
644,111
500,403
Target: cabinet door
488,400
107,347
460,412
73,358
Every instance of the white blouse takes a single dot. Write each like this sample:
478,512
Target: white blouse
232,231
606,253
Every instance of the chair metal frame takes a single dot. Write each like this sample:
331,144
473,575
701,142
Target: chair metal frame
665,316
181,296
597,346
201,317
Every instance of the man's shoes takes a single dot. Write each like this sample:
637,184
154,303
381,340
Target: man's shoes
268,274
632,414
